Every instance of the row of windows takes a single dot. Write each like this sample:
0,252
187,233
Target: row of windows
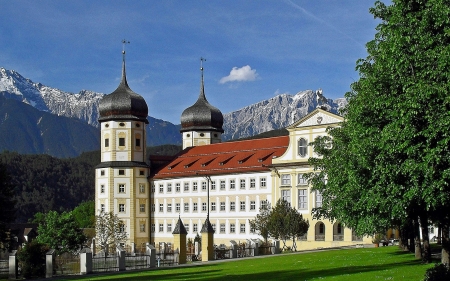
302,198
214,185
195,228
121,208
214,207
286,179
121,188
121,172
122,142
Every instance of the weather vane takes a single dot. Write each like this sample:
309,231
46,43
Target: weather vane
201,63
123,45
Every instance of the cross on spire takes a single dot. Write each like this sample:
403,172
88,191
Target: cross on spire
201,63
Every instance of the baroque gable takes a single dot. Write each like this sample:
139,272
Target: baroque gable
317,117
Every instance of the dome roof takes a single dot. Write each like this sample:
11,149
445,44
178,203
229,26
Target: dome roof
123,103
201,116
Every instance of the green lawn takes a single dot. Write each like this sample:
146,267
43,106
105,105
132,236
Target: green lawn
384,263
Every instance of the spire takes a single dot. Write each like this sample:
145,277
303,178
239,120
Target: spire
124,74
202,84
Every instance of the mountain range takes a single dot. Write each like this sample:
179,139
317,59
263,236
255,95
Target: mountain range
35,118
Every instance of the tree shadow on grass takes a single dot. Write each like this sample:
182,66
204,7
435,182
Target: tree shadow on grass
207,272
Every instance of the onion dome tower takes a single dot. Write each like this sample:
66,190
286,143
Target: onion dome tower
201,123
121,177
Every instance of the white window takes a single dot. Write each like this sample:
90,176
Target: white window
302,147
222,228
142,187
203,185
102,188
169,187
222,185
194,186
169,207
161,207
177,207
121,208
102,207
121,172
242,228
161,188
262,182
222,206
232,228
142,208
153,207
122,227
263,204
121,188
204,206
252,183
286,195
242,184
177,187
318,199
213,206
252,205
232,184
195,227
153,188
302,180
302,199
187,228
186,186
195,207
213,185
142,227
169,227
153,227
161,227
285,179
232,206
242,206
186,207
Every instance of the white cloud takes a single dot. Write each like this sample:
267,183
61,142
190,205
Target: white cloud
245,73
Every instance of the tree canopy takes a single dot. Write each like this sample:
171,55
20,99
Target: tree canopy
110,231
390,159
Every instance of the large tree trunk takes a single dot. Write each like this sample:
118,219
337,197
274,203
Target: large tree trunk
426,257
404,235
445,244
417,247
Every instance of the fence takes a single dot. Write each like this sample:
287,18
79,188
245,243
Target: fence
4,267
166,258
105,263
66,264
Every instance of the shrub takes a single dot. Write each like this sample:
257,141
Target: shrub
437,273
32,259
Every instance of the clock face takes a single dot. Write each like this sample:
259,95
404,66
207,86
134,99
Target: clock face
319,119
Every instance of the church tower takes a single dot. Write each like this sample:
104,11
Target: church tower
121,185
201,123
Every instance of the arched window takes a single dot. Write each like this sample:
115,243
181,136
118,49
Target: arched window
302,147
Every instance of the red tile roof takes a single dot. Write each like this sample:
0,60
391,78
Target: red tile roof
225,158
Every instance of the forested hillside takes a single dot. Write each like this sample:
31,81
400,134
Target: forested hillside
43,183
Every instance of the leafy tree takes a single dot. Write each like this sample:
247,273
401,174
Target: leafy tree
110,231
84,214
261,222
61,232
297,226
388,162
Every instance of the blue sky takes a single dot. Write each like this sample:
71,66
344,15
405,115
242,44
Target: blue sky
253,49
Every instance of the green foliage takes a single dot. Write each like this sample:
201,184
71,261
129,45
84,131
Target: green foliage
260,224
61,233
32,259
389,160
7,204
280,222
437,273
84,214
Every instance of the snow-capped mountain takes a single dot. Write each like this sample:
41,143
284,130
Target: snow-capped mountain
275,113
83,106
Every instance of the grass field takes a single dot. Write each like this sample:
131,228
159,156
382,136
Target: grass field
384,263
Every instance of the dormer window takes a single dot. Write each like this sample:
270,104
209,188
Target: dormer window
302,147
